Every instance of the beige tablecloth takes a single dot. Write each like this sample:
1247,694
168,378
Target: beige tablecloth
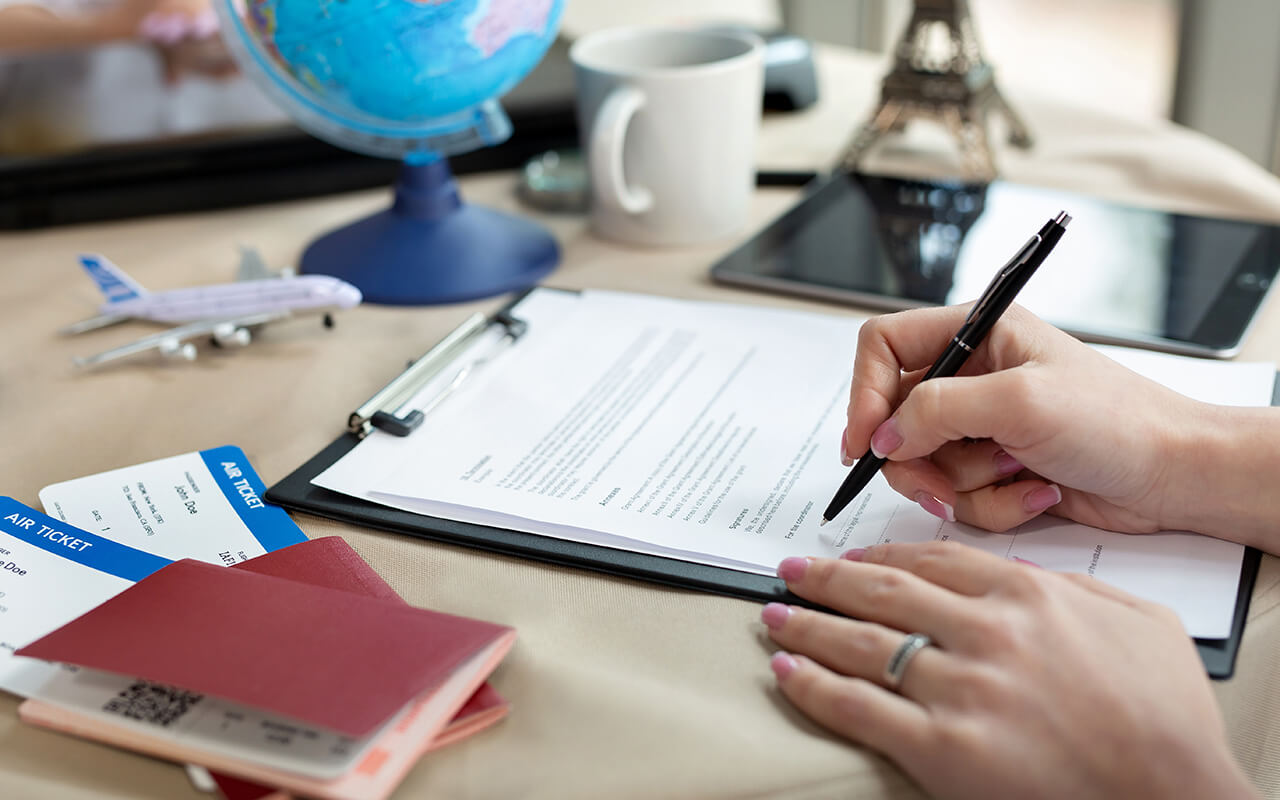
619,689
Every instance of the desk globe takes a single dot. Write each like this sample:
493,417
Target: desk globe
416,80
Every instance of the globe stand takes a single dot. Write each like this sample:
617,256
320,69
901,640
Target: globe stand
431,248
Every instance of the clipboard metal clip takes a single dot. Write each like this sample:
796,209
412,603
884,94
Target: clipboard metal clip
390,408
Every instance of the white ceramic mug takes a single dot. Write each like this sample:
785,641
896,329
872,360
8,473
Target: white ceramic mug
668,121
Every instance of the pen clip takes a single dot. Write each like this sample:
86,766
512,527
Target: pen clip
1003,276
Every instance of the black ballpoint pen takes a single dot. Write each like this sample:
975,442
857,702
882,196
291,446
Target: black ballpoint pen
982,317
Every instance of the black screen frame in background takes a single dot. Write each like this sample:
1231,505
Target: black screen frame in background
1219,332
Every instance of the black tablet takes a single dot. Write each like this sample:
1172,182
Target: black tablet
1121,275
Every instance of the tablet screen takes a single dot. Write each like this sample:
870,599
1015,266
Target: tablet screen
1121,274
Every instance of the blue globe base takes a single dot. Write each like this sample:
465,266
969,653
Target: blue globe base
430,248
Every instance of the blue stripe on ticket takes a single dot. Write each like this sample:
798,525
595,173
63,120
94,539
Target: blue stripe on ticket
268,523
70,542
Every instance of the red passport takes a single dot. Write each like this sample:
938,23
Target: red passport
332,658
331,563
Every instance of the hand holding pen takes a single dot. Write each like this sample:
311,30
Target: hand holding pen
997,297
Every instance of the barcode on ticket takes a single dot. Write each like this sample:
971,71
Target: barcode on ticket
154,703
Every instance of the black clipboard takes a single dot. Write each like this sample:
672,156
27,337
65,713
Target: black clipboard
296,492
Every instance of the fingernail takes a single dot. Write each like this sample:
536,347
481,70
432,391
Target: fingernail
844,449
152,25
886,439
935,506
205,24
783,664
792,569
775,615
175,28
1042,498
1006,464
1028,563
853,555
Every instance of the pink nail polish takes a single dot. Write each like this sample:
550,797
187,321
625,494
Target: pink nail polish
854,555
1006,464
887,438
793,568
1028,563
935,506
175,28
1042,498
783,664
205,24
775,615
152,25
844,449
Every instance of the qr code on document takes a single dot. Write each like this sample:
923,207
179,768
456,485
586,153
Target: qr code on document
152,702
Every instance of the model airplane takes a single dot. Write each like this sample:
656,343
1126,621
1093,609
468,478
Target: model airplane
225,313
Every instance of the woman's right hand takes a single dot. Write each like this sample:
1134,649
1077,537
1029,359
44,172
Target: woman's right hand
1034,422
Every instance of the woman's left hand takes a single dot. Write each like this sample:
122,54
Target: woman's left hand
1037,684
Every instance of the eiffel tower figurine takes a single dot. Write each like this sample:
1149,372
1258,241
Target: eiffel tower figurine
939,74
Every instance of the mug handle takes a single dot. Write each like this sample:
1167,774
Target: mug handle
604,158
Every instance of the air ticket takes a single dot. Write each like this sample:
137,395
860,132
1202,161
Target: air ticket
51,573
110,530
206,505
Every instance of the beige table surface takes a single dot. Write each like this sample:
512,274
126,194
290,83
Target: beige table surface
619,689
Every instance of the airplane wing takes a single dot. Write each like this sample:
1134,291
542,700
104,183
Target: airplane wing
93,323
176,342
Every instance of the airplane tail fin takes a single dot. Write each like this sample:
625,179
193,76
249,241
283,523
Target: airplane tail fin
252,267
115,285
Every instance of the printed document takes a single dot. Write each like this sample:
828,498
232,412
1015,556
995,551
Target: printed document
710,432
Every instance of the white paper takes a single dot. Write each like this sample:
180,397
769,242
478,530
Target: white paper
710,433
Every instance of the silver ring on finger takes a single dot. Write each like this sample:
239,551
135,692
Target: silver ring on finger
912,643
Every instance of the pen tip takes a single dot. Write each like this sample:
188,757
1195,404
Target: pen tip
823,521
